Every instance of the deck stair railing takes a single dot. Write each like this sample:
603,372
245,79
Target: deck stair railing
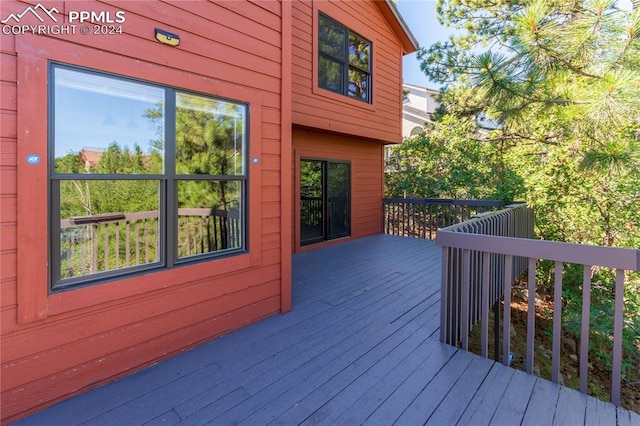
470,274
421,217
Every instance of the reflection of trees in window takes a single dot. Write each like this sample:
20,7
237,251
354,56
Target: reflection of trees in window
359,52
118,209
344,60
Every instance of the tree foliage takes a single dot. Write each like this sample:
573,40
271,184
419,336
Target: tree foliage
562,79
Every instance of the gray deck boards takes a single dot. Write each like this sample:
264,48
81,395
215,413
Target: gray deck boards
359,347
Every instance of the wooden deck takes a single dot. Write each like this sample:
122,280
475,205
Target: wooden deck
360,346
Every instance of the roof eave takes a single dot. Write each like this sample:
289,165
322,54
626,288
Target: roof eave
399,26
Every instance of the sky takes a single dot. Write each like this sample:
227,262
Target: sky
420,16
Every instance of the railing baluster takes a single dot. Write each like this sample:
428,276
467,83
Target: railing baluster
128,243
201,236
444,296
531,314
557,322
106,247
584,338
484,331
616,370
94,248
156,234
185,225
137,242
117,245
464,299
146,241
506,335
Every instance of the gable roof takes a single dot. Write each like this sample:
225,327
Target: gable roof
398,25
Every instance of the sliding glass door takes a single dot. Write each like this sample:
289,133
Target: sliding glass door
325,210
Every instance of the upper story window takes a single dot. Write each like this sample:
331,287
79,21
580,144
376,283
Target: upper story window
141,176
344,60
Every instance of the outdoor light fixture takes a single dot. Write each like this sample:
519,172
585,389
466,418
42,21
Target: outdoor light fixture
166,37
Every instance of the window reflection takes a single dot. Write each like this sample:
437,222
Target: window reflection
97,116
208,217
209,136
97,234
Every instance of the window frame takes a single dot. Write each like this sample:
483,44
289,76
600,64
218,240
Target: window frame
34,301
344,62
168,225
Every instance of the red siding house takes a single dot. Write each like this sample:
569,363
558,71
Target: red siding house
161,161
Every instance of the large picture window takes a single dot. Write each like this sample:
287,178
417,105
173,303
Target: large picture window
344,60
141,176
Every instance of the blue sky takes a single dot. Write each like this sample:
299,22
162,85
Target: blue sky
420,16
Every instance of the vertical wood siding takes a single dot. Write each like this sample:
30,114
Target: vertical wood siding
45,361
367,178
318,108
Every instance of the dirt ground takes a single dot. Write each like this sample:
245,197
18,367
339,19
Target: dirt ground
599,373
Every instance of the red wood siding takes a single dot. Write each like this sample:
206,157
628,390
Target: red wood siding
56,346
322,109
367,180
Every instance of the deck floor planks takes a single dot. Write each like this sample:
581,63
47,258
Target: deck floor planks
327,384
359,347
571,407
428,399
310,357
457,399
599,412
368,402
515,399
488,396
542,403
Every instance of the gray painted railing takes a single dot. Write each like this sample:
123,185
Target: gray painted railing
463,302
478,269
422,217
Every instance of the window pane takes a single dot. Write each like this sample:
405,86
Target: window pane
359,52
209,217
330,74
338,199
358,84
107,225
331,37
209,136
311,201
95,115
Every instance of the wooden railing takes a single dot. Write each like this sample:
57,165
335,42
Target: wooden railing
422,217
97,243
515,220
474,273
